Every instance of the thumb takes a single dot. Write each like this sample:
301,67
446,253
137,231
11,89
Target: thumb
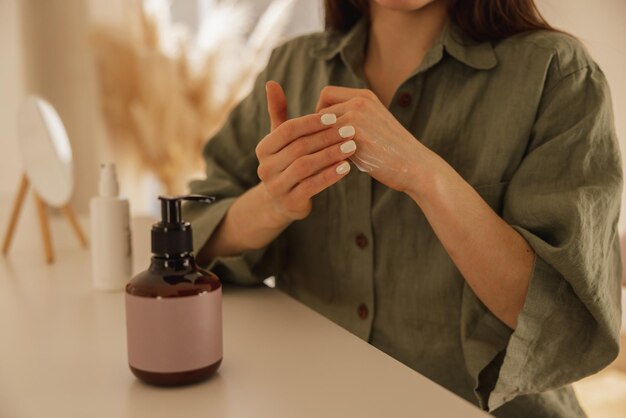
276,104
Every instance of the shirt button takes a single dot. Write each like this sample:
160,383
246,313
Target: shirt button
362,311
404,99
361,241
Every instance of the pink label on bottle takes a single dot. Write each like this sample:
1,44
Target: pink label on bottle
168,335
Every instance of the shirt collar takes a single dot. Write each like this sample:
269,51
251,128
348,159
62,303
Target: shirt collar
478,55
351,46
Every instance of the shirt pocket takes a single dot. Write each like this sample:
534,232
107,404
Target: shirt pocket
493,194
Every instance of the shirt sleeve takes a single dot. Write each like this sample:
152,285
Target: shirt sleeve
564,199
231,169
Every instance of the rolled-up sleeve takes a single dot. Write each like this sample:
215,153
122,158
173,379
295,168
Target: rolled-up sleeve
564,199
231,166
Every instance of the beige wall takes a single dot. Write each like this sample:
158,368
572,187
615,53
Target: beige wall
11,90
43,50
59,67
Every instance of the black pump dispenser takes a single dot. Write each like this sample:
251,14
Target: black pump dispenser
172,237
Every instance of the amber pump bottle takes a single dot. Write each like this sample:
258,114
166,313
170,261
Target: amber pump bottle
174,309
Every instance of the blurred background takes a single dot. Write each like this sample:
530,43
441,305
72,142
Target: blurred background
144,84
114,69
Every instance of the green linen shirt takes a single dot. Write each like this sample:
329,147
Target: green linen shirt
528,123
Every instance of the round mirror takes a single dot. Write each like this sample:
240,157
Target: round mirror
46,151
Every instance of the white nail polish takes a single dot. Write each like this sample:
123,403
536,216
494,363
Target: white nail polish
343,168
348,147
329,118
346,131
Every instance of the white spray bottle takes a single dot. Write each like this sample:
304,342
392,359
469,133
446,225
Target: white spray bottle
111,254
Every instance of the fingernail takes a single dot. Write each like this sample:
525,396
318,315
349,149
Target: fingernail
329,118
343,168
346,131
348,147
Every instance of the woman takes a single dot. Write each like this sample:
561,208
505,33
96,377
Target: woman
476,243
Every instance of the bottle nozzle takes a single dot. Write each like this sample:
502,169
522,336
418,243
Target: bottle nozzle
172,235
108,186
171,206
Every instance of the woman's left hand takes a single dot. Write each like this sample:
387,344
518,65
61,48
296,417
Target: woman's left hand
495,260
385,149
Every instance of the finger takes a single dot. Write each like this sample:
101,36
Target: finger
339,109
308,144
310,164
276,104
293,129
331,95
319,182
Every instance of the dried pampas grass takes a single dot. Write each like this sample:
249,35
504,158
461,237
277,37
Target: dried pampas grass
163,95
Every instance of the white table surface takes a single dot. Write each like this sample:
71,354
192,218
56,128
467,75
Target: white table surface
63,353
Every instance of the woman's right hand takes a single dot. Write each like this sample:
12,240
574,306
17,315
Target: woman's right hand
299,158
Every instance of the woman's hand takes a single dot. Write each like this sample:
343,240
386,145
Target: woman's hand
299,158
386,150
495,260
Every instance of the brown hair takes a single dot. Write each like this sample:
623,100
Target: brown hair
482,20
